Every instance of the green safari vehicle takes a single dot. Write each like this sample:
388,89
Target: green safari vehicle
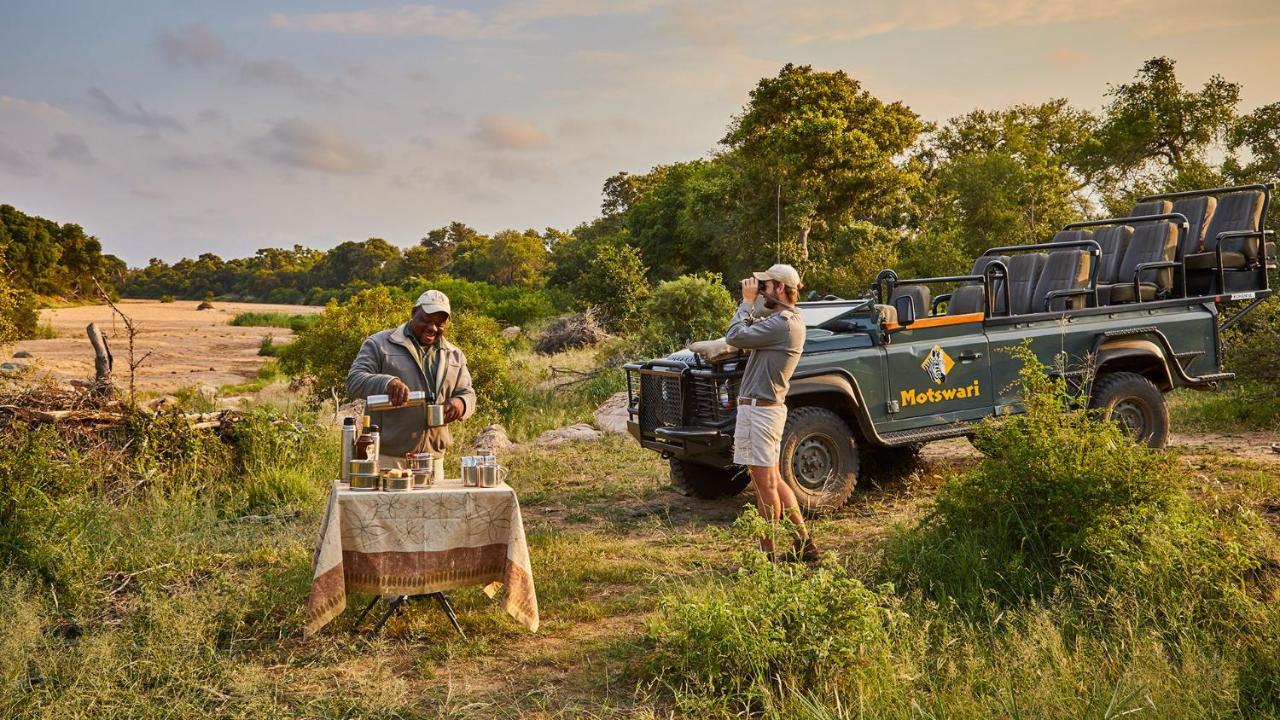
1136,304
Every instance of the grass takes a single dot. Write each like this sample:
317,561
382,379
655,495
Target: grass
1236,407
296,323
135,586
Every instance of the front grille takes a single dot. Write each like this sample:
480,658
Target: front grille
706,400
661,402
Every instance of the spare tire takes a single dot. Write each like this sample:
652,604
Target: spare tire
693,479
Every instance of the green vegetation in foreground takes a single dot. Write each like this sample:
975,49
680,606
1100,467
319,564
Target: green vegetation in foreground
294,322
1236,407
163,573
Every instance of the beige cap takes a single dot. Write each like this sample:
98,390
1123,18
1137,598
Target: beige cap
433,301
781,272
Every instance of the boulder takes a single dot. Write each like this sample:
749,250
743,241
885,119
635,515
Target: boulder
12,368
611,416
572,433
511,333
492,437
22,354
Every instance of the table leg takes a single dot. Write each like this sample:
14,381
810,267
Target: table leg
448,610
395,605
366,610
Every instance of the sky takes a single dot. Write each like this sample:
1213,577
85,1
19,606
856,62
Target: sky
169,129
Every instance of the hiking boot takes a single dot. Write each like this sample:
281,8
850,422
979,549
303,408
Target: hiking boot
805,551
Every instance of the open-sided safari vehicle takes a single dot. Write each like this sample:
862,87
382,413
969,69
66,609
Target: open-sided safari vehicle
1136,304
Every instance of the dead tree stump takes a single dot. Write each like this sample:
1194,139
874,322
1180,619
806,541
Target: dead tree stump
102,360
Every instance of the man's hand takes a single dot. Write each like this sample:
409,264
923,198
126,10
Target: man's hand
750,288
454,409
397,392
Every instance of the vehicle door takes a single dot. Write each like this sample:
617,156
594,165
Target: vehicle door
939,370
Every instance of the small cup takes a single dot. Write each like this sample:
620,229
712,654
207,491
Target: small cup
435,415
470,471
492,475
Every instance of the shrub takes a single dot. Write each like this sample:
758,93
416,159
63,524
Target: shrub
166,299
18,316
267,347
508,304
296,323
322,353
1063,503
769,629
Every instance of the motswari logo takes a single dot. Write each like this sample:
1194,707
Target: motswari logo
938,364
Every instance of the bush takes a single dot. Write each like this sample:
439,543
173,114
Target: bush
1063,503
773,628
687,309
296,323
166,298
322,353
267,347
508,304
18,316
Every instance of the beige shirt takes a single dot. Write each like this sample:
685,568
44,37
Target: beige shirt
776,342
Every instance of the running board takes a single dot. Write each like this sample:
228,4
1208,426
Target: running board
928,434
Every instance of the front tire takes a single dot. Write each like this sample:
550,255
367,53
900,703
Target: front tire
819,459
1135,404
693,479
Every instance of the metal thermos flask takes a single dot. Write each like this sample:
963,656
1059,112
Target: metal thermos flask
348,447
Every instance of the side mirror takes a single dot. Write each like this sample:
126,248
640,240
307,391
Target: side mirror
906,308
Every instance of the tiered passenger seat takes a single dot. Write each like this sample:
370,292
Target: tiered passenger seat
971,297
1064,281
1149,258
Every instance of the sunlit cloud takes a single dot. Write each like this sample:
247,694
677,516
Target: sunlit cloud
299,144
505,132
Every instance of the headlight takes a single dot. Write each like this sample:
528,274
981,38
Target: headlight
725,392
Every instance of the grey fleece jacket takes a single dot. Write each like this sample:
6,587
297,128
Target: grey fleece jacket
393,354
775,341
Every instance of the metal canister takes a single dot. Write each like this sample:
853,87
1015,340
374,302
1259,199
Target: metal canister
363,474
435,415
470,471
364,482
348,447
397,483
492,474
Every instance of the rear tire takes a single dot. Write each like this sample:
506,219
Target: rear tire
819,459
693,479
1135,404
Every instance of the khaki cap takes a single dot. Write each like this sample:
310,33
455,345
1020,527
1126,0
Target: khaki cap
433,301
781,272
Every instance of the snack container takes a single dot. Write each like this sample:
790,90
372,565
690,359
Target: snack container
364,482
397,483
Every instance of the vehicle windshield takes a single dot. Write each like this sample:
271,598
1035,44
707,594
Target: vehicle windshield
817,313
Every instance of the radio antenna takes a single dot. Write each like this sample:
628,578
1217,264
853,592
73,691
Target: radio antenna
778,220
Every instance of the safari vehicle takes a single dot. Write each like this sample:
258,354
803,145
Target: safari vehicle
1133,304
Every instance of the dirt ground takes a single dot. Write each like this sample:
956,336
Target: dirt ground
187,346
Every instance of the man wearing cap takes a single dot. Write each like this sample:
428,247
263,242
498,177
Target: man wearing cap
409,358
768,324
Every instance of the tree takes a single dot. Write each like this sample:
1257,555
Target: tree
851,258
828,144
352,262
617,287
517,258
1156,133
471,259
1004,177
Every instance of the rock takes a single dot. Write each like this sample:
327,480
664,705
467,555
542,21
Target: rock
611,416
164,402
572,433
206,305
207,392
12,368
493,437
512,332
22,354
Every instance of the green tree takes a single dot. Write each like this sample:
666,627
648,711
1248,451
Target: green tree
851,258
617,287
1156,133
830,146
471,258
517,258
687,309
1003,177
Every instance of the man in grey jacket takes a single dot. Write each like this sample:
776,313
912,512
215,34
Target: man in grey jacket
414,357
768,324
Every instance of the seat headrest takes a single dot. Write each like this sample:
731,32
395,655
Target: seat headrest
1151,207
920,297
1071,236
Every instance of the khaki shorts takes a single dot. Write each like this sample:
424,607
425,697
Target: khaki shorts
758,435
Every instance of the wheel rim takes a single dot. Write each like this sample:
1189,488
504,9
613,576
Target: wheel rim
1131,416
814,461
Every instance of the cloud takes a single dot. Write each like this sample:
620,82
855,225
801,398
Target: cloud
274,72
137,115
190,162
404,20
505,132
35,108
195,45
212,115
15,162
434,21
71,148
300,144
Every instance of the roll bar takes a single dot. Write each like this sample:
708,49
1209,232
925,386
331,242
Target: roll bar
887,281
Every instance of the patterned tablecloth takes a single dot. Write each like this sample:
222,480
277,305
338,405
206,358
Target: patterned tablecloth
419,542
